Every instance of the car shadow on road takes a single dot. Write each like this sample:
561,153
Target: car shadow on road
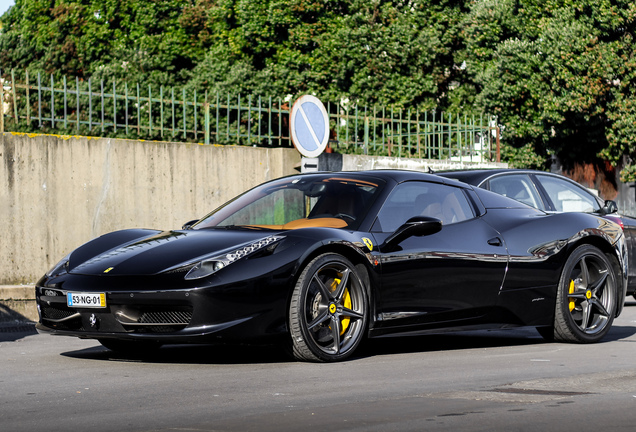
262,354
190,354
17,332
250,354
453,341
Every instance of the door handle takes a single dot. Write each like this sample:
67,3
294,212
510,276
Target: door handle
495,241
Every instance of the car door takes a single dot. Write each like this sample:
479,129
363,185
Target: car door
453,276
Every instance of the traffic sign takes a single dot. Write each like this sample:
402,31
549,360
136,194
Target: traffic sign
309,126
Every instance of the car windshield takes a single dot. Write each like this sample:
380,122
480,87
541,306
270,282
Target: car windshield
313,200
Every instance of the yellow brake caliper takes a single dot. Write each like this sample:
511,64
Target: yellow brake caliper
346,303
571,291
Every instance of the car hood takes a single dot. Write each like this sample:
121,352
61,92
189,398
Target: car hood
155,251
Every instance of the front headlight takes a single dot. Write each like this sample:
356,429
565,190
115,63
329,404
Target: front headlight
209,266
59,268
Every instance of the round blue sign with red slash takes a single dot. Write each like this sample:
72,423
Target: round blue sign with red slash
309,126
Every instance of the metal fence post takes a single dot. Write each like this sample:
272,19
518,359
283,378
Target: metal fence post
101,87
1,103
52,104
114,106
161,110
39,101
366,131
28,102
206,106
15,97
90,106
65,105
77,103
195,107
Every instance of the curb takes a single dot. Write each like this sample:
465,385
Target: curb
17,292
17,307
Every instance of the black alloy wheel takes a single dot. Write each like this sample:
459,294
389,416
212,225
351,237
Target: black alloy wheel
328,310
586,297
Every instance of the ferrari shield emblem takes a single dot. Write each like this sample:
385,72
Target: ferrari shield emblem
368,243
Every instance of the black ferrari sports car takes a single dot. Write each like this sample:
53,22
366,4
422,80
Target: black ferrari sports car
317,262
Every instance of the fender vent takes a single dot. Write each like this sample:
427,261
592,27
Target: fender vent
158,320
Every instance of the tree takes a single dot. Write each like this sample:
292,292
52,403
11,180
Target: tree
554,71
371,52
111,39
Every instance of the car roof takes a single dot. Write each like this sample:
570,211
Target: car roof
488,199
399,176
478,176
474,176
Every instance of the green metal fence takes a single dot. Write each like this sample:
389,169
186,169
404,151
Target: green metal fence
44,104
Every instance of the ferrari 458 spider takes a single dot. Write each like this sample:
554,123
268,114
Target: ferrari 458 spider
317,262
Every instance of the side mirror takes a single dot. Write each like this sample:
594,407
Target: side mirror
415,227
188,225
609,207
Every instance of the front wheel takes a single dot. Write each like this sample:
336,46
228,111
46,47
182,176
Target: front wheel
586,298
328,312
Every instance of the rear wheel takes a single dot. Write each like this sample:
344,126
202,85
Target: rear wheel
586,297
328,310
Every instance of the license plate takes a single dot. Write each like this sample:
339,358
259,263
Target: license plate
87,300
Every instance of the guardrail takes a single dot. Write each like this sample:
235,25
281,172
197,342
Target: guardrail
46,104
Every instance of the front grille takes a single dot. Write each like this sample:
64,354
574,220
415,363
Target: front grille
166,317
61,317
56,312
155,320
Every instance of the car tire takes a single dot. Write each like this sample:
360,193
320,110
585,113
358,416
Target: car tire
586,298
328,312
130,347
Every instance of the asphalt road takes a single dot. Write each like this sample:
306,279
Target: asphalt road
480,381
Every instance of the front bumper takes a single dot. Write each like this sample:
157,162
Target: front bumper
196,315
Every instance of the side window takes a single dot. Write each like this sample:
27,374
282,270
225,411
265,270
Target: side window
409,199
568,197
518,187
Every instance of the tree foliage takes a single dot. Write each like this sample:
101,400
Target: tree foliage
133,39
559,74
555,73
370,51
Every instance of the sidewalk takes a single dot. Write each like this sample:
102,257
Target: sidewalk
18,312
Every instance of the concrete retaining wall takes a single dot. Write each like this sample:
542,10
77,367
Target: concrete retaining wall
58,192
